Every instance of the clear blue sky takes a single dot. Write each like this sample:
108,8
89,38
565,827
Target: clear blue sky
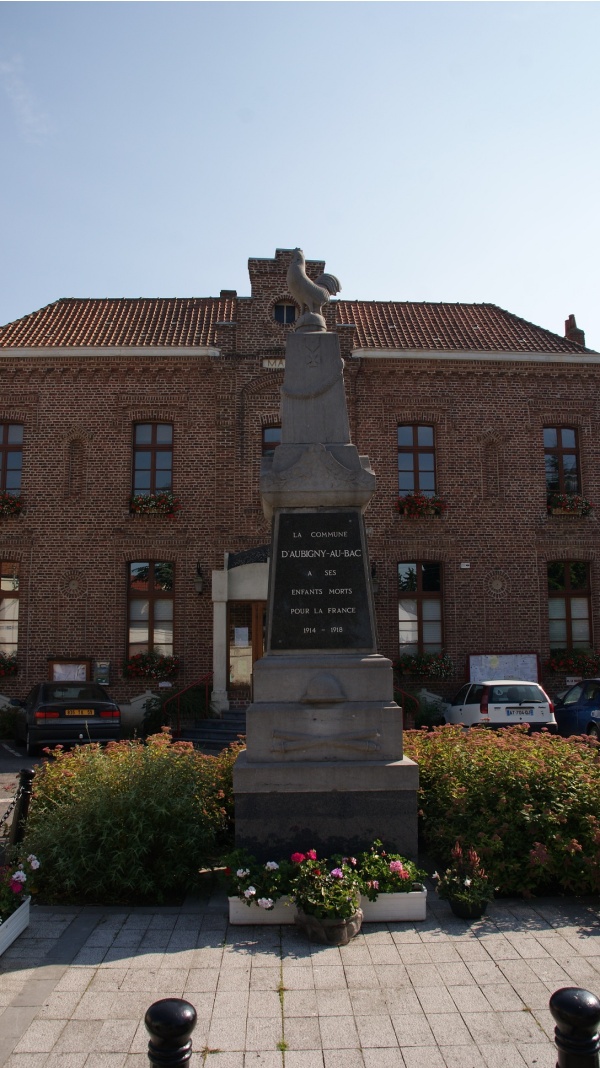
426,151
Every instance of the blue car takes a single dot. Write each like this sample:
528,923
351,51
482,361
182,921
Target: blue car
578,710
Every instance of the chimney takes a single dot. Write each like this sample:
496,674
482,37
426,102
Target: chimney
572,331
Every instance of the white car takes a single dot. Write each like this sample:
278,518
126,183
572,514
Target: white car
501,703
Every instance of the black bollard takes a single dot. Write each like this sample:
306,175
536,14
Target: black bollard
17,827
170,1023
577,1016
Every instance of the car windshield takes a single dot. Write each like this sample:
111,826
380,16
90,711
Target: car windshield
515,695
72,691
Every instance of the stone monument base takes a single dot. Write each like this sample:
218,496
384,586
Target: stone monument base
332,807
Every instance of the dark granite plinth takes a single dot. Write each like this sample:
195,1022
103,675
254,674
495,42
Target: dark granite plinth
273,825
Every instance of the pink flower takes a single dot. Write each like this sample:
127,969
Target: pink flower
16,887
396,866
297,858
373,884
337,873
312,854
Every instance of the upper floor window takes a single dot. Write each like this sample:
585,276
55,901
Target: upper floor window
150,607
420,607
271,438
561,455
152,458
9,606
416,460
11,457
284,313
569,604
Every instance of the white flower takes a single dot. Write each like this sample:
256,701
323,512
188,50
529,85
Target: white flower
250,892
468,882
19,877
435,875
272,865
242,872
265,902
33,862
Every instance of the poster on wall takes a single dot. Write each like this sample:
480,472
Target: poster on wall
488,666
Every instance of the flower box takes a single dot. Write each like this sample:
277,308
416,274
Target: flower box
14,925
283,911
392,908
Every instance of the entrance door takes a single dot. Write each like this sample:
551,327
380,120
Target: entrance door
246,630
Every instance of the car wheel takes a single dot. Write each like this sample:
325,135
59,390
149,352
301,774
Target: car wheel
29,745
593,731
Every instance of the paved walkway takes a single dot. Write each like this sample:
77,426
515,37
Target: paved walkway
439,994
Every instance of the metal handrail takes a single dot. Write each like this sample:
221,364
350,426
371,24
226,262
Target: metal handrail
407,697
205,680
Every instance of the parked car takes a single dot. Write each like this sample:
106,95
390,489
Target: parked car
501,703
66,713
578,710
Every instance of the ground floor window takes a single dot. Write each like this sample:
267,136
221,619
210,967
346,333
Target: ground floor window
569,604
420,607
150,607
9,607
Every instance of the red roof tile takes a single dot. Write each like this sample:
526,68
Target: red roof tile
446,327
192,322
144,322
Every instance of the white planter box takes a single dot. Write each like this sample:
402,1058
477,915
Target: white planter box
282,912
14,925
392,908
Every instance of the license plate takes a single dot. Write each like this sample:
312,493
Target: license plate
79,712
519,711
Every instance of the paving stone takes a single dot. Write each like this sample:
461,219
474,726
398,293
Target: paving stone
468,999
537,1055
375,1032
300,1003
264,1033
486,1027
384,1058
368,1002
503,1056
337,1032
230,1003
302,1033
412,1030
448,1028
342,1058
338,1002
40,1037
263,1059
423,1057
302,1058
329,978
436,998
297,978
227,1035
400,1000
414,953
501,997
384,954
463,1057
264,978
263,1003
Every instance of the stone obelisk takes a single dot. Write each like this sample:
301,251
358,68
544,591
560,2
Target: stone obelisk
324,766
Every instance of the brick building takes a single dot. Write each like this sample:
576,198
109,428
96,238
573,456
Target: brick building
100,399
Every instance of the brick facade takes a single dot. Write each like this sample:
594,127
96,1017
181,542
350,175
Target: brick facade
78,401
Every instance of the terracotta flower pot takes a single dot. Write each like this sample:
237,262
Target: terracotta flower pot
468,910
330,931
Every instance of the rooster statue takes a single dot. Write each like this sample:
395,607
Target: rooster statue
311,294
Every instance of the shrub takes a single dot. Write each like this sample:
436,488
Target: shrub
129,823
528,804
8,721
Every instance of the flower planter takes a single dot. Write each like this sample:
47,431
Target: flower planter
330,931
14,925
465,911
567,511
283,911
392,908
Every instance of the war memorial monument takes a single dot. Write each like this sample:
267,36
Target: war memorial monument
324,764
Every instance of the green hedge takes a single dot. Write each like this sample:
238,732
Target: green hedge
130,823
529,804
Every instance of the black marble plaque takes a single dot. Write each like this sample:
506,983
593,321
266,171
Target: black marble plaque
320,598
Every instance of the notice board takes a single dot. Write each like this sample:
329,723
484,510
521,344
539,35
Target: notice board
504,666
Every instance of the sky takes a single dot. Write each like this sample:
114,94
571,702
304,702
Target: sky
426,151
